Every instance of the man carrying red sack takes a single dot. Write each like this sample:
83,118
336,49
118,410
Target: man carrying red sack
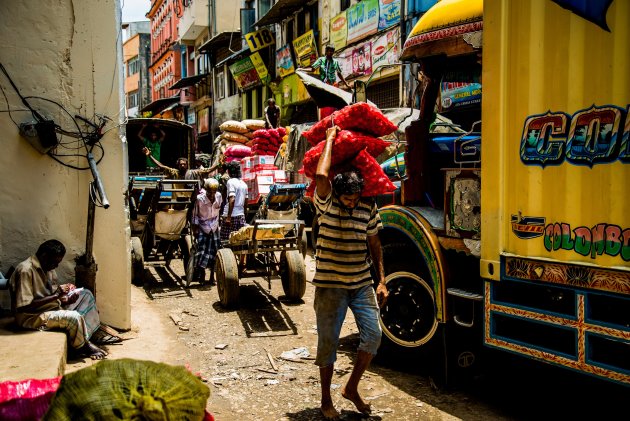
348,228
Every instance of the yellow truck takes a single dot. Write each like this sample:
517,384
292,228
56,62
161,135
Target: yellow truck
520,238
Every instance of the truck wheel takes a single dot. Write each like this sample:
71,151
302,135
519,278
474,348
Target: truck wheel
293,274
408,318
226,272
137,262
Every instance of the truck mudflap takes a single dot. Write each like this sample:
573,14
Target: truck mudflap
537,311
415,276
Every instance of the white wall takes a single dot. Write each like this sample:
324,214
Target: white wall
65,51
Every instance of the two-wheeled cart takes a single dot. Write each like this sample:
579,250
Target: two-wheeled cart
160,223
268,248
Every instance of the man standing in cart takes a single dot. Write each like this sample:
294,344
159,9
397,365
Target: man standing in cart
348,229
329,69
236,205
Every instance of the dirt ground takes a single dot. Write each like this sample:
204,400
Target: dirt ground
244,356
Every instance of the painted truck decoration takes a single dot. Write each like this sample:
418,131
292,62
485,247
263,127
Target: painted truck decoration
544,270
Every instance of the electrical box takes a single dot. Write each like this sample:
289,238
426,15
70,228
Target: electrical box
41,135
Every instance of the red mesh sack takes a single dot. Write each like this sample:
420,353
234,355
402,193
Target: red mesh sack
238,151
261,133
26,399
375,180
360,116
346,146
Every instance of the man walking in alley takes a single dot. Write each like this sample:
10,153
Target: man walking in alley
205,226
41,303
235,208
348,228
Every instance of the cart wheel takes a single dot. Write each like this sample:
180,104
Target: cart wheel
190,266
293,274
226,272
137,262
304,243
148,241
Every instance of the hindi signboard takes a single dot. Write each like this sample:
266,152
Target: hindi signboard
305,49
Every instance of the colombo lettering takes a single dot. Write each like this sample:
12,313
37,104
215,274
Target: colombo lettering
597,135
601,239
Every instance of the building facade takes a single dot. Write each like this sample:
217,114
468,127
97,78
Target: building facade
136,60
166,65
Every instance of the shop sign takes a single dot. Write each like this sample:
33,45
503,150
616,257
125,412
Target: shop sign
362,59
284,61
259,39
339,30
261,69
245,73
389,13
362,20
305,49
460,89
385,48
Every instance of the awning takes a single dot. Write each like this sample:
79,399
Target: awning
188,81
323,94
280,11
220,39
232,57
159,104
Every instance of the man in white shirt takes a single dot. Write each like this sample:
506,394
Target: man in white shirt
236,206
205,227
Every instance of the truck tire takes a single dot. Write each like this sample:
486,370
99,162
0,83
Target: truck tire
137,262
226,272
293,274
408,318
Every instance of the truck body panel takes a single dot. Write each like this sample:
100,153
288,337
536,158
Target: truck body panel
555,242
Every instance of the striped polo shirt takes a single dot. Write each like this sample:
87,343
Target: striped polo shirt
342,250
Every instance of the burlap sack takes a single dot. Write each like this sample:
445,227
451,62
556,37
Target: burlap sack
234,137
254,124
233,126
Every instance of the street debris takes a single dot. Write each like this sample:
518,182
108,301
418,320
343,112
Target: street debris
295,354
220,346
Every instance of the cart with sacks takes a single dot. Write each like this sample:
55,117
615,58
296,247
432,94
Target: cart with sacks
272,246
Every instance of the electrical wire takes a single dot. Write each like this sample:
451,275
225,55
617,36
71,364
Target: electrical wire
8,107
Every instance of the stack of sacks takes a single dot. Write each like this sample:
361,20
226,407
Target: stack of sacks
233,131
355,147
268,141
252,126
237,152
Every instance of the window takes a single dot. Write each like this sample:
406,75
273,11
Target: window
263,7
232,86
220,84
133,66
132,99
345,4
202,64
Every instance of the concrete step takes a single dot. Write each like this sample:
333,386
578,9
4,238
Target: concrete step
30,354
